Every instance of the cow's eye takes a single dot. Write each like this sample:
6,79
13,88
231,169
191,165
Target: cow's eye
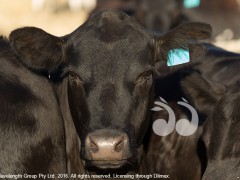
74,77
149,78
144,77
147,75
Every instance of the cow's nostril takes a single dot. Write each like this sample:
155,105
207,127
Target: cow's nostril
119,146
93,147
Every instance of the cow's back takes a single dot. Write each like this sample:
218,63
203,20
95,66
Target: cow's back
31,130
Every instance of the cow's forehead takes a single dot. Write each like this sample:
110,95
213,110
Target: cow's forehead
119,61
110,27
111,45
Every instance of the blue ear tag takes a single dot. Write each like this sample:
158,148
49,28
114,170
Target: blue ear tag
191,3
178,56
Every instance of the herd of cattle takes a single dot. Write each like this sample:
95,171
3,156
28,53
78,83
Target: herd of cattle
82,103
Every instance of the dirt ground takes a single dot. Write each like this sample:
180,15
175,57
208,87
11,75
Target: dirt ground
18,13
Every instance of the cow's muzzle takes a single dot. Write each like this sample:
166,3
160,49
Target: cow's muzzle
107,149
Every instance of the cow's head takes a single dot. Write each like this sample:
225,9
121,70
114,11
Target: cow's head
108,64
159,15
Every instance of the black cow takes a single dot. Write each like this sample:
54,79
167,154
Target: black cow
159,15
187,155
126,6
221,129
180,157
212,12
205,88
103,75
31,130
221,137
156,15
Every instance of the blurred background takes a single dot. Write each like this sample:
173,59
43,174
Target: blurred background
60,17
52,16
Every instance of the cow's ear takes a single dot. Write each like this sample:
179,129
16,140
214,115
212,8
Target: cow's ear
204,94
180,45
37,49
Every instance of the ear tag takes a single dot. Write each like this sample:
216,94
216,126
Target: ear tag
188,4
178,56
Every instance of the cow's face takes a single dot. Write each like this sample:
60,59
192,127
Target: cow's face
108,63
111,61
158,15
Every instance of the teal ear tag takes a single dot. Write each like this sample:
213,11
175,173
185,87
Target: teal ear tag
191,3
178,56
